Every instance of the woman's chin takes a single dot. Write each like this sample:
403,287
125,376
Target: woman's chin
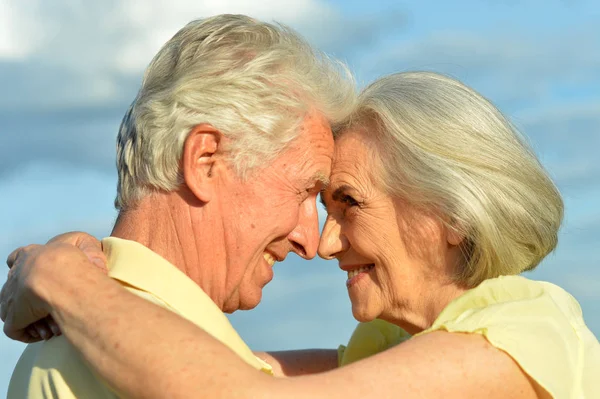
363,314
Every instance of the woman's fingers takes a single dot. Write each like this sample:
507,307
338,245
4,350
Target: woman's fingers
88,244
53,326
19,252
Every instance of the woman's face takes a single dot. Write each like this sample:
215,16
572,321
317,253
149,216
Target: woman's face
394,255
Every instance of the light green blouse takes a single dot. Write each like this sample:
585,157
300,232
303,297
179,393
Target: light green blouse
537,323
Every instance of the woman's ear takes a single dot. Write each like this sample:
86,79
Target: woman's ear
453,234
198,160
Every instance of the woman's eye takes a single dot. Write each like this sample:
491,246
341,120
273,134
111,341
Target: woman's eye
348,200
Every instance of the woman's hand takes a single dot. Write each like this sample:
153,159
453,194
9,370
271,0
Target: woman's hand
90,245
21,308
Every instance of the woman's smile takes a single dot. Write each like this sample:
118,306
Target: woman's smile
356,273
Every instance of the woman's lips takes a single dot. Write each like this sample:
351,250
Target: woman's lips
356,273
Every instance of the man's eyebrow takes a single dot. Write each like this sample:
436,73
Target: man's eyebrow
322,178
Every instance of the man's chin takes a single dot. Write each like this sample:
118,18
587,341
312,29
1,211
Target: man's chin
245,302
250,304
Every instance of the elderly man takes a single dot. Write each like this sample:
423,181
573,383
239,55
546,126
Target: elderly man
220,159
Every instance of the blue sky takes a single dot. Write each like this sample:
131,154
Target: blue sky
68,69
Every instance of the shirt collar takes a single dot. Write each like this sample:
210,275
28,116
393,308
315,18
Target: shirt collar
134,264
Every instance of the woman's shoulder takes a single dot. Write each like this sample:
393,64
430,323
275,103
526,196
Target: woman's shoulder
513,311
537,323
513,297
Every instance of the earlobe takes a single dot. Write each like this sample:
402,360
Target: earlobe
199,156
454,236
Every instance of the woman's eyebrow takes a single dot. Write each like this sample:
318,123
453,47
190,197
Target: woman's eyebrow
340,192
337,195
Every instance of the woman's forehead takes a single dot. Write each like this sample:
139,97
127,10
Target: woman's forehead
354,151
350,173
357,162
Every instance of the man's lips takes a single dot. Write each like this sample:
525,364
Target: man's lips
271,257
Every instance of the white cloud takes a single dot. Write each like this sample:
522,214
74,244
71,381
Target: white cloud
18,33
149,26
74,52
121,35
67,53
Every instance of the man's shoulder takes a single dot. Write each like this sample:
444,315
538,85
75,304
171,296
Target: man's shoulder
54,369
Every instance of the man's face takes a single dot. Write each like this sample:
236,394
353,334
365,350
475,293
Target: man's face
272,213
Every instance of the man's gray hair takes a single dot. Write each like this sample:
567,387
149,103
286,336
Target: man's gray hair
253,81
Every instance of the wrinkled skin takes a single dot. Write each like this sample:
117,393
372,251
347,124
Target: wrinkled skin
18,304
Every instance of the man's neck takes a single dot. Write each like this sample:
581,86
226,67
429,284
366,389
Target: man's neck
158,224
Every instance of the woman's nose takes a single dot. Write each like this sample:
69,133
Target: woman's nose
332,241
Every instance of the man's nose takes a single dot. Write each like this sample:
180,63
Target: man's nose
305,237
332,241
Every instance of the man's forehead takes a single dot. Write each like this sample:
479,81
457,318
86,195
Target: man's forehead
317,129
317,139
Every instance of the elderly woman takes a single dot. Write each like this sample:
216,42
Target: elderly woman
435,206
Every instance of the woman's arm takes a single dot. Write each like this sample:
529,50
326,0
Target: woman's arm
92,248
284,363
300,362
145,351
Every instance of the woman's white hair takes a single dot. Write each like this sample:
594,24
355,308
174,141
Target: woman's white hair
444,147
253,81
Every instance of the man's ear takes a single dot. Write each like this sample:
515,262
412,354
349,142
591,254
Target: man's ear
199,156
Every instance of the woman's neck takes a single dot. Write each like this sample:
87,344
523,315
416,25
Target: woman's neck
420,313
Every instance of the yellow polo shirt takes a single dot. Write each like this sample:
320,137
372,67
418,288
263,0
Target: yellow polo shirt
54,369
537,323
